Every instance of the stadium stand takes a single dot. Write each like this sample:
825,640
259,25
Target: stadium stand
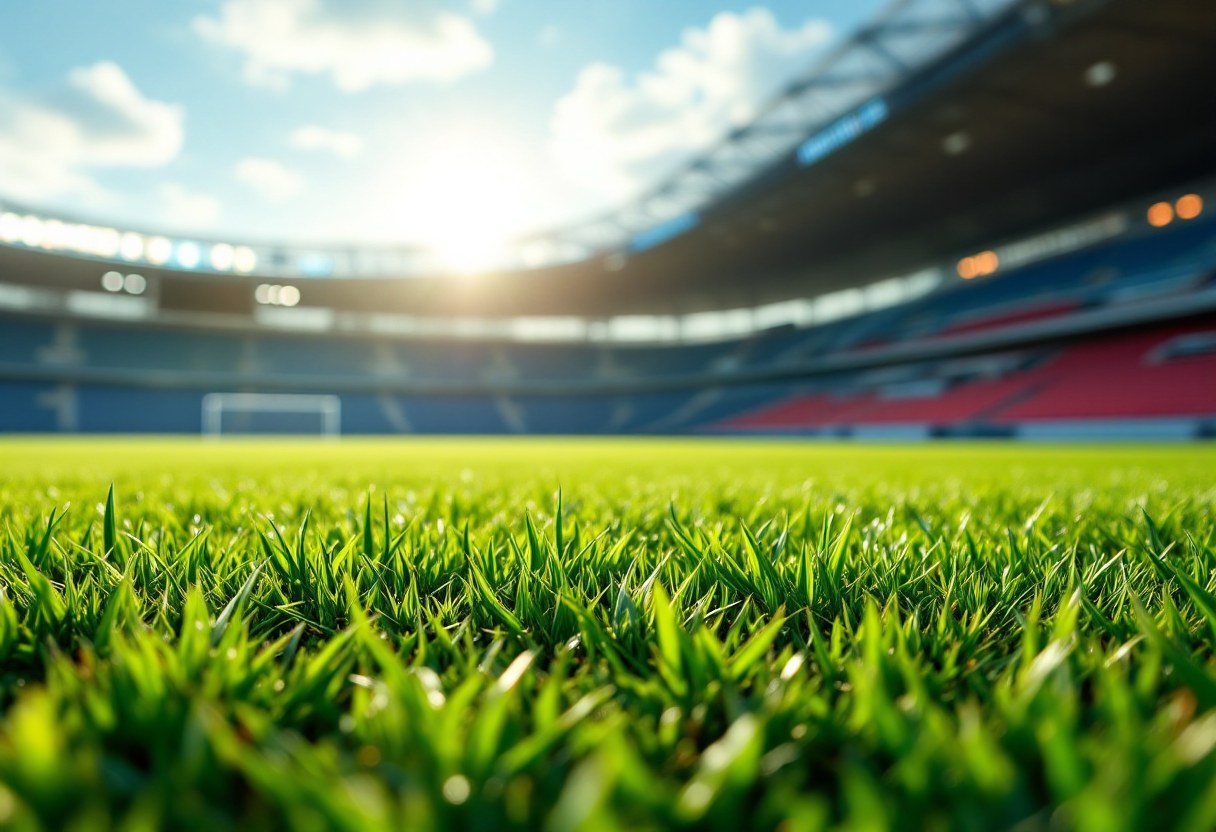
1063,283
1094,386
104,376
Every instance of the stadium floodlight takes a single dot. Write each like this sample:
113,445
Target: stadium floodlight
135,284
188,254
10,227
106,242
1100,74
159,250
244,259
1160,214
132,246
31,231
285,413
1189,207
55,234
222,257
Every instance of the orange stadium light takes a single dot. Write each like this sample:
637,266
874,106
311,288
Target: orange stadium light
981,265
986,262
1189,207
1160,214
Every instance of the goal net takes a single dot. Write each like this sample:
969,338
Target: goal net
262,413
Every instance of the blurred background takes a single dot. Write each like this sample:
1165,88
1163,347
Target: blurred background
839,218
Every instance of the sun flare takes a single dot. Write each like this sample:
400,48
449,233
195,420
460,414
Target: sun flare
464,201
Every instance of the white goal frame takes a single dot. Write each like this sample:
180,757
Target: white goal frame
329,408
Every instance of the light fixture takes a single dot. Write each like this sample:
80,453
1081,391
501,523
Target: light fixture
31,231
979,265
10,227
55,234
111,282
131,247
1160,214
1189,206
135,284
244,260
187,255
956,143
273,295
315,265
222,257
106,242
1100,74
159,250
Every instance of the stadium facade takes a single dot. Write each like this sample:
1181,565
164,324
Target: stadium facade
972,219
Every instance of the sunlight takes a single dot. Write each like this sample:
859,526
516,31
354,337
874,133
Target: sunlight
464,200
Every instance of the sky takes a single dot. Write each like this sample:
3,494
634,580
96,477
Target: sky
402,121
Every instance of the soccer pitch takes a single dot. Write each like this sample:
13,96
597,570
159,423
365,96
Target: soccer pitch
417,634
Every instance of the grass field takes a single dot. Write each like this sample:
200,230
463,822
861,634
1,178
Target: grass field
378,635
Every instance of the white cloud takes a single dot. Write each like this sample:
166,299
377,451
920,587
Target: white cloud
272,181
185,209
99,119
312,137
356,46
615,134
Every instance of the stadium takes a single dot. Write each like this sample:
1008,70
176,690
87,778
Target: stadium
899,543
957,224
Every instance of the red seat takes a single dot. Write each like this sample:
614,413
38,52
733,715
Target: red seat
1115,376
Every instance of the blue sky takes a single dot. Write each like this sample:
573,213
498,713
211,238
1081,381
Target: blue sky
419,121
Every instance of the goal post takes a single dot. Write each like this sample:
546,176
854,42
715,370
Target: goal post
286,413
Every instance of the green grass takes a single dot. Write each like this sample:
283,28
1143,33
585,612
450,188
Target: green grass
420,635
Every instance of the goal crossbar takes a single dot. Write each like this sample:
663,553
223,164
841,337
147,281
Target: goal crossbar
215,405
